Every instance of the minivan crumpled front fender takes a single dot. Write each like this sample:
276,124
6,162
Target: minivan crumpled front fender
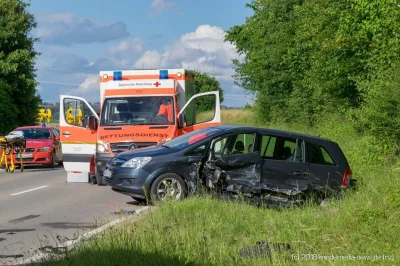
235,173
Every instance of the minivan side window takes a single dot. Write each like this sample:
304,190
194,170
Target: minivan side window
319,155
282,148
199,151
233,145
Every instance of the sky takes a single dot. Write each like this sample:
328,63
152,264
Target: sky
79,38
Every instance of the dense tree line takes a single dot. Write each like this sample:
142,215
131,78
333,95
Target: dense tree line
18,95
306,58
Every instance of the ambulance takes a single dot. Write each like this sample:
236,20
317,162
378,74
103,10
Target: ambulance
138,109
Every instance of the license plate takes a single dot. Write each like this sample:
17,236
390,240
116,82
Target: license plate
25,155
107,173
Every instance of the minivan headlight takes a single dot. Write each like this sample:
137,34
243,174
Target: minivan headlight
137,162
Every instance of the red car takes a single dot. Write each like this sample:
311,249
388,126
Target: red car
43,146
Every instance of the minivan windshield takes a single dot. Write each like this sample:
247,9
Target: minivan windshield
184,141
140,110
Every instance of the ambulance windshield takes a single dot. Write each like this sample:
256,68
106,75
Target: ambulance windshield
141,110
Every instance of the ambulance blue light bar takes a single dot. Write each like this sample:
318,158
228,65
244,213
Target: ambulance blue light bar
117,75
163,74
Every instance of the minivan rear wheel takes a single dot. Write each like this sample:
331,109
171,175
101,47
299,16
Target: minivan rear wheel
168,187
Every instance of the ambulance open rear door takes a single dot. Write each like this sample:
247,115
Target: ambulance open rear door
78,141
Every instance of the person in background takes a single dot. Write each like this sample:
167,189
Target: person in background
166,108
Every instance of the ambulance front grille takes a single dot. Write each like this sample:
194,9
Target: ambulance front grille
124,146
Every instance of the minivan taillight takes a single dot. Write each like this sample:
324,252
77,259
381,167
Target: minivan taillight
346,177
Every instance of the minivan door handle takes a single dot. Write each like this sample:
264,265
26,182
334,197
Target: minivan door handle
66,133
298,173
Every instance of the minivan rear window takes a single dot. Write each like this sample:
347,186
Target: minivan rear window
319,155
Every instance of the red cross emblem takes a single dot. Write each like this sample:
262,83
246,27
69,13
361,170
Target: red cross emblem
157,84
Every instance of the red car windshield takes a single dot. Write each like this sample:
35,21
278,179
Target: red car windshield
36,133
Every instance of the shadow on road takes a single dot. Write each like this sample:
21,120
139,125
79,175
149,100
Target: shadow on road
34,168
14,231
63,225
42,169
135,203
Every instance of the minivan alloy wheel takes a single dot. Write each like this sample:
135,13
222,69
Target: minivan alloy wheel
169,187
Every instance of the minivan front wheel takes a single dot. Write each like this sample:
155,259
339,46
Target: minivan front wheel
168,187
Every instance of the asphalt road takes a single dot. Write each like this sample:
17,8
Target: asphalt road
38,209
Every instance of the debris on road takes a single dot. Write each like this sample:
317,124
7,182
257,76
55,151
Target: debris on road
126,212
263,249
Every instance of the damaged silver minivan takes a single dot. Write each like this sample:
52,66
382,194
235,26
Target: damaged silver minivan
272,166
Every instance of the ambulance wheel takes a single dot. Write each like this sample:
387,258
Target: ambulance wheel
92,180
99,179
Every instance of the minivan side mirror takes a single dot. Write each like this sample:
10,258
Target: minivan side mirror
93,122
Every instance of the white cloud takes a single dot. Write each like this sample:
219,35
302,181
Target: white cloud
203,49
88,89
159,6
126,51
150,59
130,45
68,29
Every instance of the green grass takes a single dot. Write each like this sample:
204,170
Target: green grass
206,231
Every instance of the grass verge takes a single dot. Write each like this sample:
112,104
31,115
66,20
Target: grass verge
206,231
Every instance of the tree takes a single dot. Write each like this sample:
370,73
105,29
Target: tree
304,59
266,41
19,100
380,114
205,83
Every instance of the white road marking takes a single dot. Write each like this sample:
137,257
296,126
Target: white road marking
68,245
29,190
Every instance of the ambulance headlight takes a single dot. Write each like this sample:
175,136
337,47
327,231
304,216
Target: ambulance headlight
101,147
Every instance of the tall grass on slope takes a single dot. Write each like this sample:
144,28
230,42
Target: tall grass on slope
232,117
206,231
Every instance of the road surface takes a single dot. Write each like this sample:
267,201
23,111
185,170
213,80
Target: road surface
39,209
